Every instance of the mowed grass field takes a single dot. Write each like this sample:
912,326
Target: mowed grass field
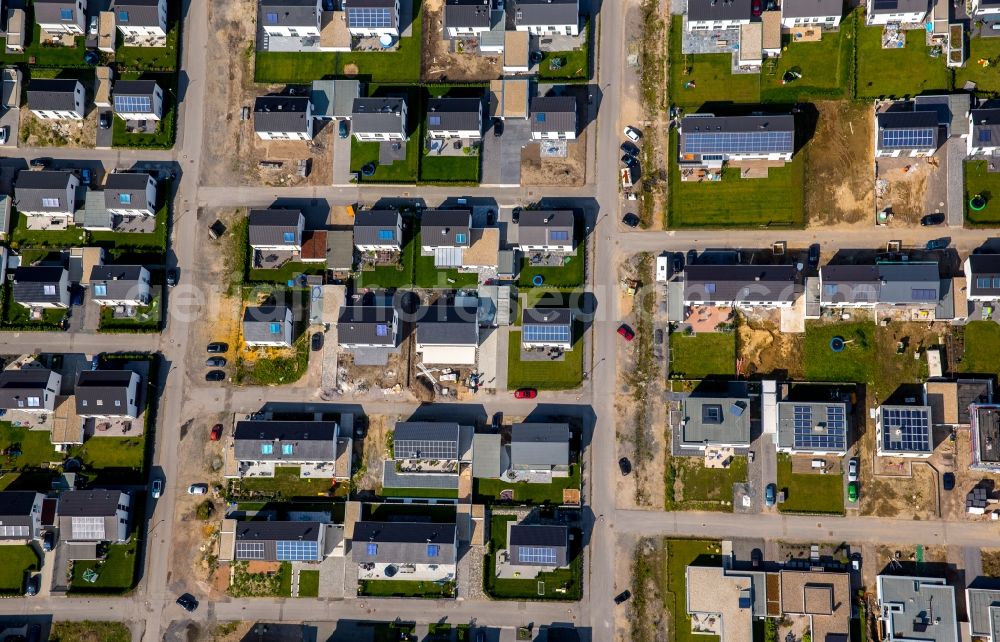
897,72
710,73
987,78
979,180
826,67
701,355
736,202
982,348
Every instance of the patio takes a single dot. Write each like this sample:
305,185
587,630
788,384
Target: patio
449,146
391,151
142,126
507,571
542,354
30,420
526,476
272,259
113,426
548,259
709,42
707,318
47,223
144,41
562,42
407,572
424,466
134,224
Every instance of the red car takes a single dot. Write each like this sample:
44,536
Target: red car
756,8
525,393
216,433
626,332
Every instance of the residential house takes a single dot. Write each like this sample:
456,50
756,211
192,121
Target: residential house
917,608
283,118
984,128
952,402
56,98
547,328
906,133
813,427
985,10
425,440
42,286
445,229
538,545
467,17
455,118
547,17
553,118
732,599
130,194
985,432
141,19
20,516
107,393
716,418
904,431
379,119
378,231
983,607
95,515
274,230
59,17
821,596
334,99
46,193
540,449
913,284
268,326
29,389
291,18
710,141
743,286
138,100
368,326
280,541
882,12
714,15
429,548
545,231
120,285
825,14
261,446
447,335
372,18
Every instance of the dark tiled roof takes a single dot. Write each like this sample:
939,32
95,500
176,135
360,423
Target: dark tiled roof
270,533
404,542
52,94
50,11
131,186
103,392
268,227
288,13
377,115
553,114
546,316
281,114
135,87
447,325
16,504
368,224
451,114
724,283
811,8
985,127
465,14
711,10
984,266
537,227
121,281
370,325
310,440
546,12
89,503
30,283
440,228
138,13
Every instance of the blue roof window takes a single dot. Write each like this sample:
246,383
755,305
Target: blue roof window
274,327
125,199
386,235
66,14
289,237
286,449
266,449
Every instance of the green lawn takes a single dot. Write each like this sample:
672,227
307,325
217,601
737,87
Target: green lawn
404,588
308,583
147,319
116,571
45,55
113,459
276,370
711,74
425,275
978,180
546,374
682,553
450,169
163,138
22,236
151,58
285,485
982,345
857,363
897,72
701,355
34,444
88,631
827,68
809,493
17,562
424,493
560,584
691,486
569,275
487,491
404,171
987,79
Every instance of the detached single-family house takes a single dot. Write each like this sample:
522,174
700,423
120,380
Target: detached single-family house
709,141
984,130
985,10
913,284
547,17
917,608
56,98
379,119
447,335
540,449
538,545
291,18
378,231
467,17
455,118
447,229
130,194
547,328
372,18
138,100
260,446
280,541
716,418
982,276
46,193
882,12
983,606
428,547
426,440
20,516
276,230
268,326
283,118
813,427
744,286
95,515
368,326
41,286
553,118
825,14
107,393
29,389
713,15
906,133
61,16
115,285
904,431
137,19
545,231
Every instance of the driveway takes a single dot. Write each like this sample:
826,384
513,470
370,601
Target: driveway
11,117
104,135
341,159
502,154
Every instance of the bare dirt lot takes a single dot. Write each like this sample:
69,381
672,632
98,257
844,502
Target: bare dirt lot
902,489
644,103
902,187
570,171
838,162
641,565
439,63
371,452
764,349
35,132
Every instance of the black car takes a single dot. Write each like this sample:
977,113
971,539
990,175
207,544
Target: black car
814,255
932,219
217,347
497,421
31,588
48,541
623,596
625,466
171,277
40,162
497,127
631,220
317,341
678,262
515,215
187,602
105,120
216,362
627,160
948,481
215,375
630,149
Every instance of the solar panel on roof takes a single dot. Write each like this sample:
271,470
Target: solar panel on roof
296,551
816,433
249,550
425,449
905,429
908,138
546,334
536,555
133,104
738,142
369,18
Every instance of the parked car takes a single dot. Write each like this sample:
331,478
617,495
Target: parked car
171,277
3,134
623,596
187,602
525,393
156,489
626,332
757,8
852,492
770,494
515,215
625,466
342,129
40,163
678,263
31,586
814,255
215,375
948,481
658,336
217,347
630,149
631,220
216,433
852,469
497,421
497,127
936,244
932,219
85,175
95,362
197,489
317,341
216,362
93,26
105,120
632,134
48,541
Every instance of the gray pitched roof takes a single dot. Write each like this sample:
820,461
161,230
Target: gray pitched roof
52,93
545,227
16,507
447,325
441,227
465,14
905,130
553,114
546,12
128,185
546,316
310,440
366,324
49,11
120,281
985,127
711,10
891,283
31,187
288,13
750,283
539,445
138,13
30,283
356,20
281,114
522,538
96,502
811,8
450,114
737,134
405,542
268,227
377,115
984,266
369,223
144,88
270,533
103,392
899,6
257,323
17,385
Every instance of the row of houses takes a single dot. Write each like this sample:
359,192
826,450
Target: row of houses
80,519
48,286
56,194
64,99
132,18
98,393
